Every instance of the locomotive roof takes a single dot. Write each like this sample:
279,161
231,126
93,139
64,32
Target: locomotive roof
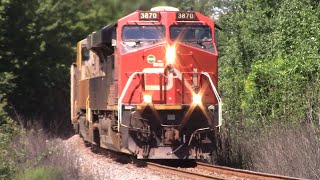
102,36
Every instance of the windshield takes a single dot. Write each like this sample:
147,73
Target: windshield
143,33
197,33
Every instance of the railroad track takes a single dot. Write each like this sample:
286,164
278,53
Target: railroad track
203,171
243,174
180,172
195,170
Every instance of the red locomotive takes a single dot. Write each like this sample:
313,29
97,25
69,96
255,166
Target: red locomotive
147,85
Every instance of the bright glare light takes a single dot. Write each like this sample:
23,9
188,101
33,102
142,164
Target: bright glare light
147,98
171,54
197,99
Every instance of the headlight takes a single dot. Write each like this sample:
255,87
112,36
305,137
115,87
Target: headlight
171,54
197,99
147,99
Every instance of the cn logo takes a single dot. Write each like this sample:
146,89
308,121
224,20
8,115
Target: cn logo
152,79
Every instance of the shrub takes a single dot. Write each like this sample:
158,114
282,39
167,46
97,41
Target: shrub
39,156
39,173
291,151
8,131
279,149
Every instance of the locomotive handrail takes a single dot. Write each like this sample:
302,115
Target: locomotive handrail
217,96
122,96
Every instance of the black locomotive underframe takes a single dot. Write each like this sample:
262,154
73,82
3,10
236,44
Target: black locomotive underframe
163,134
151,134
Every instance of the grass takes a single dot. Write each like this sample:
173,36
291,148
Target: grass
291,151
42,173
285,150
40,157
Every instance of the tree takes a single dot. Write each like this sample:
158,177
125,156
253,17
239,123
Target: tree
269,52
37,46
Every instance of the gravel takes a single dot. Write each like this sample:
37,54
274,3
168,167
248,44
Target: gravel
90,165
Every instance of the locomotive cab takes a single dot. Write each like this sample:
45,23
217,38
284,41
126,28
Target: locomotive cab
149,86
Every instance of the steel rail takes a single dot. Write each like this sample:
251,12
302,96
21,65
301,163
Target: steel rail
241,173
181,173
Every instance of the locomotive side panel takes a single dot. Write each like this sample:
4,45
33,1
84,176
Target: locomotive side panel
102,93
74,92
98,88
83,93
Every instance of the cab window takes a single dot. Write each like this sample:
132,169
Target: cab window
143,33
198,36
191,33
141,36
85,54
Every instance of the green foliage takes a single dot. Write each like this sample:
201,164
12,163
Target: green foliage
270,61
7,165
275,84
8,131
38,173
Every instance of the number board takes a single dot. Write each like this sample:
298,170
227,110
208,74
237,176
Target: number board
147,15
190,16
